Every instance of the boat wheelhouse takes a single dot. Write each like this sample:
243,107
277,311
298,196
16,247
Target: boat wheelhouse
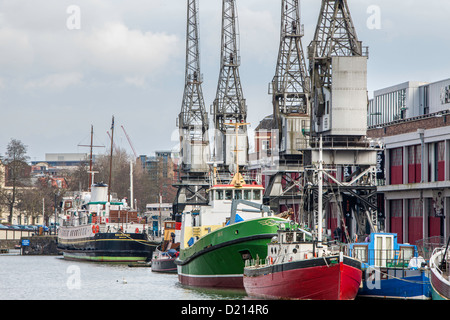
216,240
391,270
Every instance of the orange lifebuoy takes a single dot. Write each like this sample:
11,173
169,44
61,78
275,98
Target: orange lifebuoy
93,228
271,260
137,230
97,229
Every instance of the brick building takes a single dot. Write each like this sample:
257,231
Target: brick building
413,120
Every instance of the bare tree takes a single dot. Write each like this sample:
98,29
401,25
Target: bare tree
17,173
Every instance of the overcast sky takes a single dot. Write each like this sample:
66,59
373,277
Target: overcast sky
127,59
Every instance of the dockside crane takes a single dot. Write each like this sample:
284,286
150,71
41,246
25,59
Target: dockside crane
334,54
338,71
193,124
130,143
229,105
290,90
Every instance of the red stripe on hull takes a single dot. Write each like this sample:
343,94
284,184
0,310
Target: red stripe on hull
441,287
226,282
337,282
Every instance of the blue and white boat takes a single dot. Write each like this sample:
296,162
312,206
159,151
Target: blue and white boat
391,270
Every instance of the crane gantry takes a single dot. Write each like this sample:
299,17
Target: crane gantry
193,123
229,105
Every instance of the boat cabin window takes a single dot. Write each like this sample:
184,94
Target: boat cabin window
256,194
406,253
289,237
300,237
384,249
360,252
237,194
247,194
219,194
228,194
169,225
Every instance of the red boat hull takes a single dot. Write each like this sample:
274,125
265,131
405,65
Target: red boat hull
312,279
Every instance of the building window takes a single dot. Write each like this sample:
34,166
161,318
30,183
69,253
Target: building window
396,166
415,220
396,208
414,164
440,163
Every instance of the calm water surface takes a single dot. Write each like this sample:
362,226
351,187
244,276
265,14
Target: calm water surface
52,277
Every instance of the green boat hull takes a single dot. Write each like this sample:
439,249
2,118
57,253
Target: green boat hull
218,258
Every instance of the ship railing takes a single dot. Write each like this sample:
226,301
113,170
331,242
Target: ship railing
443,269
73,221
335,247
385,258
286,257
426,246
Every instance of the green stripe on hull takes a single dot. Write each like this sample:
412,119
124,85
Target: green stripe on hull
228,259
224,251
102,258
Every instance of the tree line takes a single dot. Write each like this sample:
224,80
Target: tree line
33,196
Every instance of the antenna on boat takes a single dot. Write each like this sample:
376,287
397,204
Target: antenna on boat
110,159
91,146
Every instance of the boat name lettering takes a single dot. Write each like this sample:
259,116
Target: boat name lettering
120,235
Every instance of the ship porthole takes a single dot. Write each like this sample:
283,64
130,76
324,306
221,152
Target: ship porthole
295,250
236,232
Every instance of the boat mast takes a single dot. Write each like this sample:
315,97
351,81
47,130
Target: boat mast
319,204
90,158
110,159
91,146
131,186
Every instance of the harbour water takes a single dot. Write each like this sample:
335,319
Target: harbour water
53,278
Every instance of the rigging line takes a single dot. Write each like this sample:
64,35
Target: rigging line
135,240
392,276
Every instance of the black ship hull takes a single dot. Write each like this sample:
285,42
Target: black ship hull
108,247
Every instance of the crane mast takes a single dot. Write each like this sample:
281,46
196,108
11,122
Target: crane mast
334,53
290,86
338,71
290,91
229,105
193,123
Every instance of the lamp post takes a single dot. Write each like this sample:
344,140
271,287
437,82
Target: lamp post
57,193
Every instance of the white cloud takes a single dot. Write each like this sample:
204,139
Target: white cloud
55,81
16,51
117,50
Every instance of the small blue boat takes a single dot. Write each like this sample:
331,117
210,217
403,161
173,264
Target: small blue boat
391,270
